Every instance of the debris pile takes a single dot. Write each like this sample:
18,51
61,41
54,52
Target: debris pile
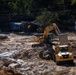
2,37
17,57
8,72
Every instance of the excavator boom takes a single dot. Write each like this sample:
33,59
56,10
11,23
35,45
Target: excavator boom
50,28
42,38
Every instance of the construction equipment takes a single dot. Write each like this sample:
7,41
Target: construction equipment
60,50
62,53
47,37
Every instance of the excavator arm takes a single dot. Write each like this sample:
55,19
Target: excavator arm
50,28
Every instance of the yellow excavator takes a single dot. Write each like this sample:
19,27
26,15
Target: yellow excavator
44,38
58,51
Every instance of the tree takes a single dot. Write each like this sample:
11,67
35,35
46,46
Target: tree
46,18
73,2
21,6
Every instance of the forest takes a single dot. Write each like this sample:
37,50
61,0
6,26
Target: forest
42,11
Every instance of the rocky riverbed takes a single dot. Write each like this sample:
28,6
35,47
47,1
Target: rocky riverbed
17,57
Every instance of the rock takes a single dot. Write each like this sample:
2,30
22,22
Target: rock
28,68
1,63
31,63
31,73
10,53
2,37
8,72
14,65
7,61
19,61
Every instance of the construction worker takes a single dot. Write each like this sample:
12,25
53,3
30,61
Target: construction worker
29,26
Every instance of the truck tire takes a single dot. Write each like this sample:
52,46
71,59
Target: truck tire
54,58
57,63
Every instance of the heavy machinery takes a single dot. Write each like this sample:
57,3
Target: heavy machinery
59,50
62,53
62,50
47,37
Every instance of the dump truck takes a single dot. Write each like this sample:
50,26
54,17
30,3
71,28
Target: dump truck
62,51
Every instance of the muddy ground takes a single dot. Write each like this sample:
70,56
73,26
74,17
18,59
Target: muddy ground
17,57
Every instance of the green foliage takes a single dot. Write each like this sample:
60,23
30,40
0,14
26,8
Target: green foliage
57,2
40,29
46,17
21,6
13,6
60,1
61,10
73,2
